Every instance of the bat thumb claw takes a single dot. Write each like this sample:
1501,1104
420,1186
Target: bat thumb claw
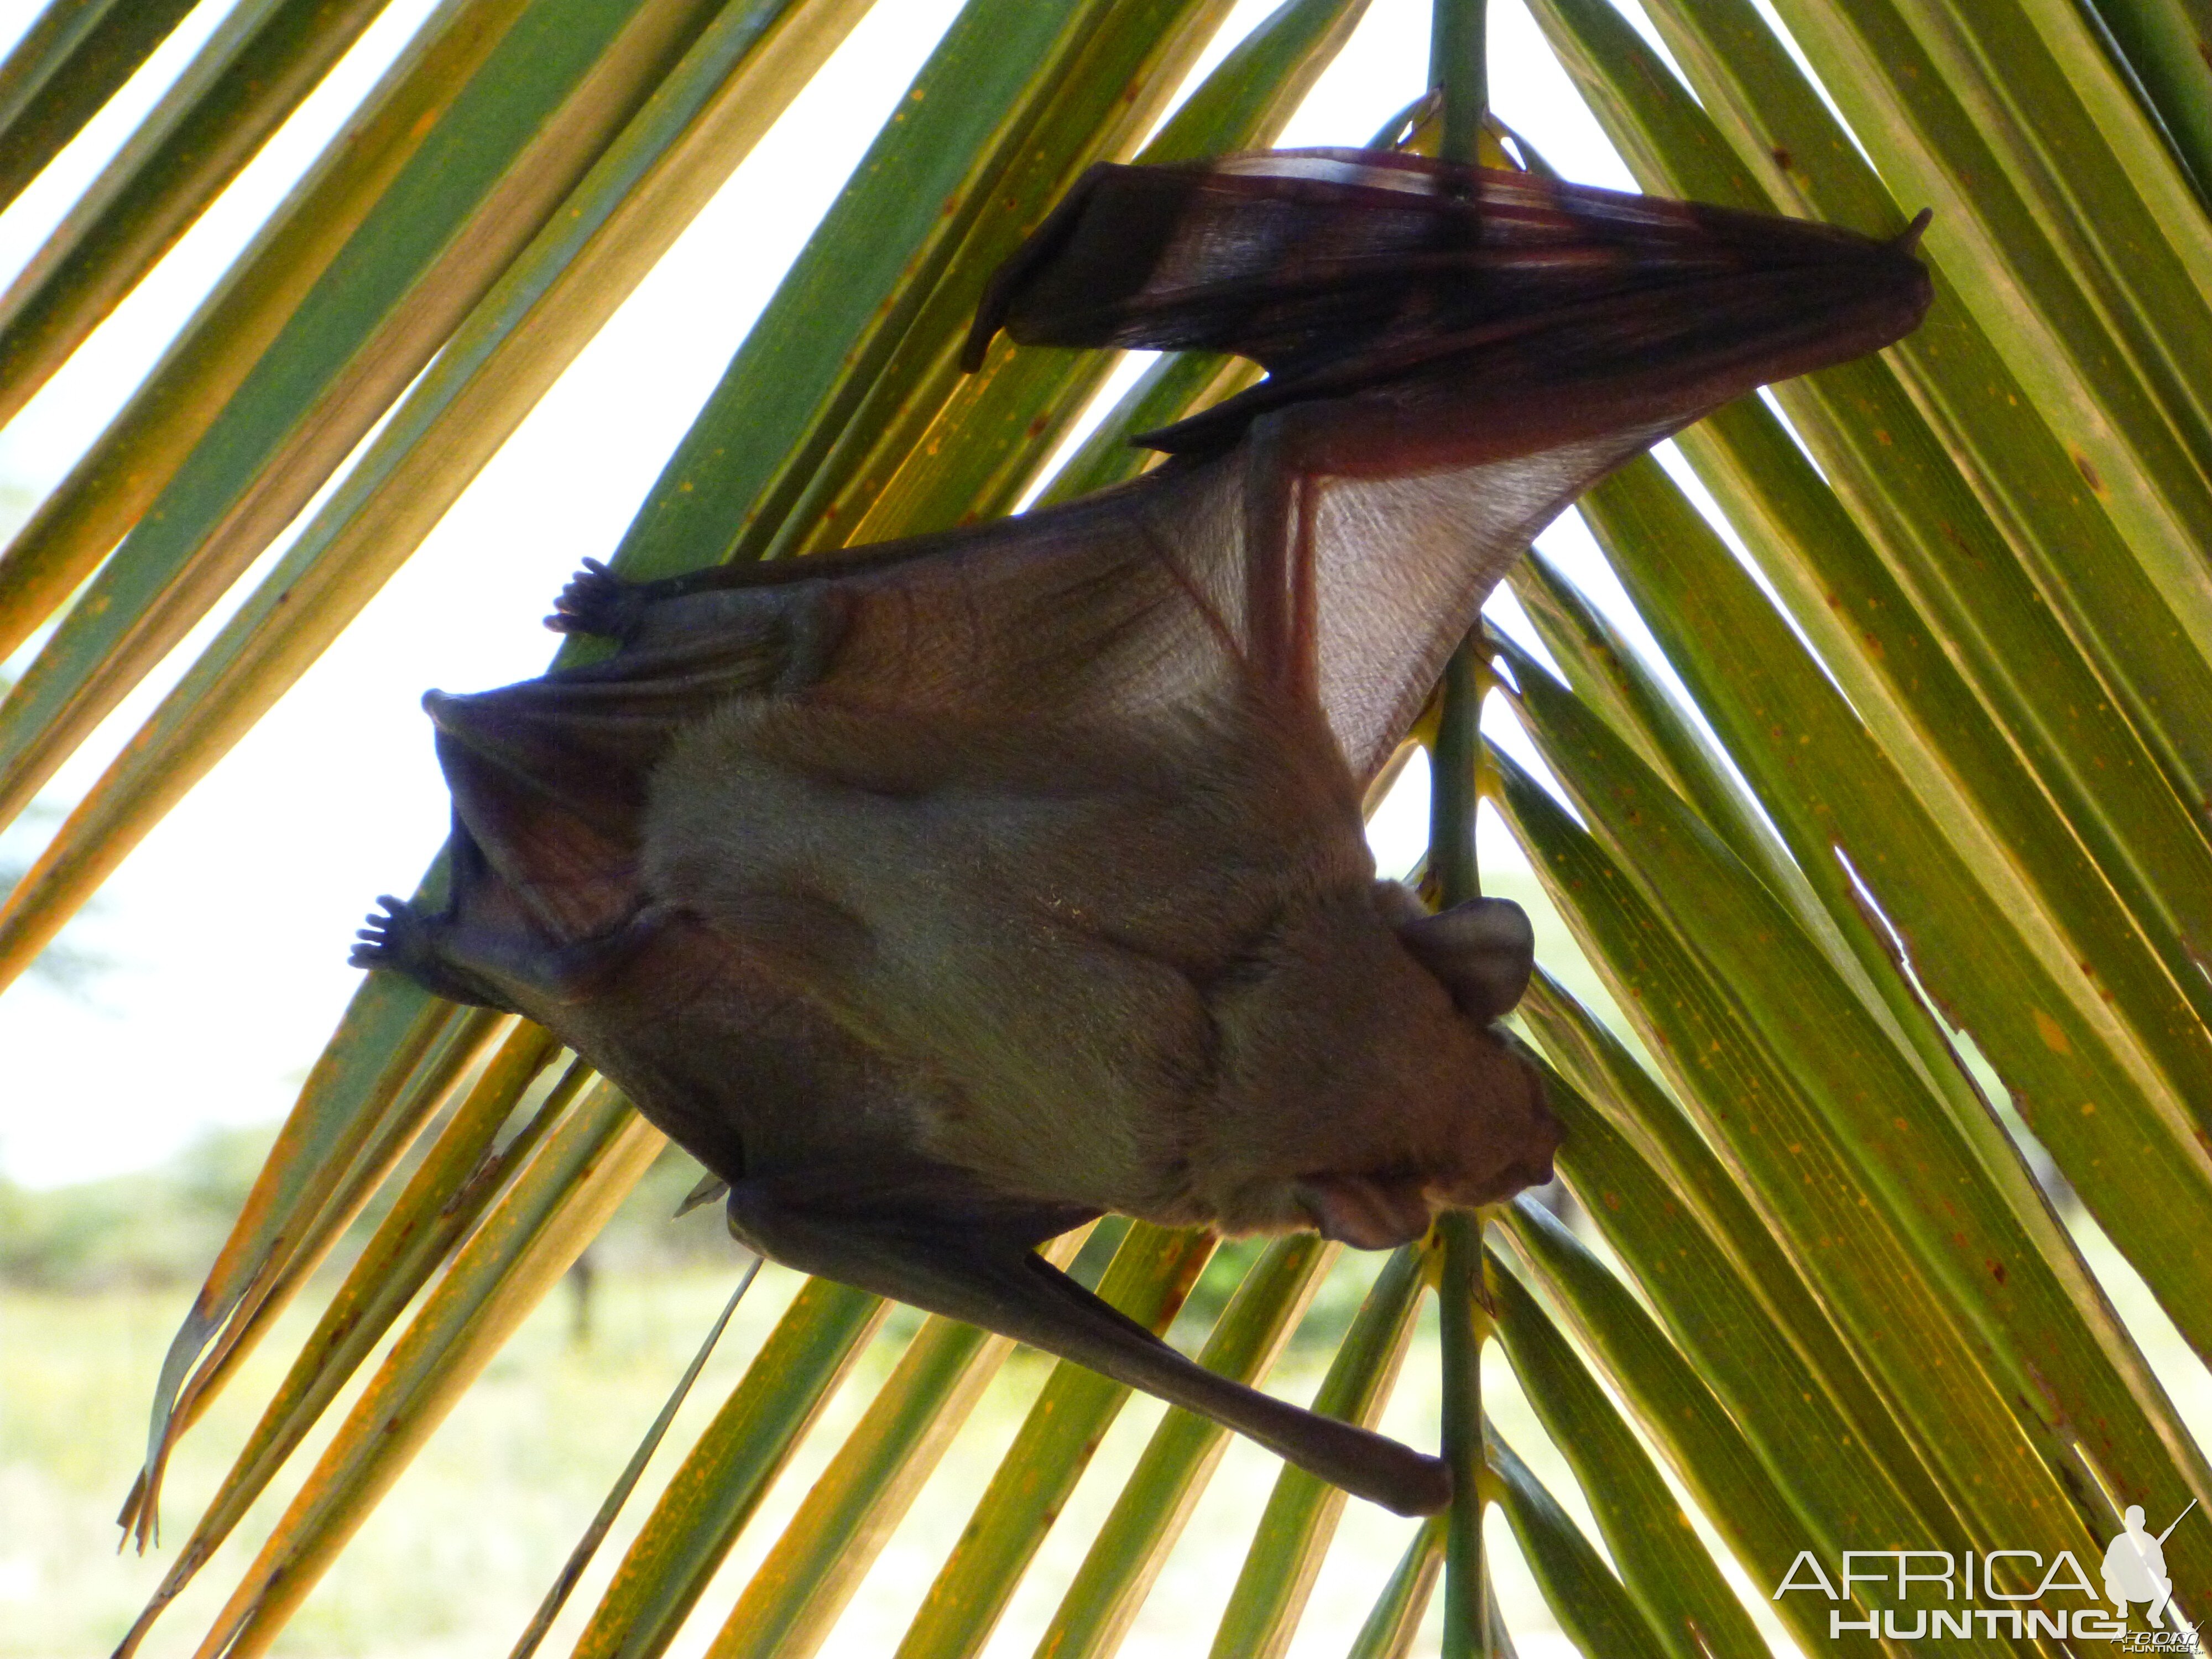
1423,1486
978,342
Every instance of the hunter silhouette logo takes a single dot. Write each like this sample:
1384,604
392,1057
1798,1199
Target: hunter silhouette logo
2135,1566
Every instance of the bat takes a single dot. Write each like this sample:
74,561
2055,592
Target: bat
942,895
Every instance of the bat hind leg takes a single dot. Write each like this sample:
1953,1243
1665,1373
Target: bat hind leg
399,938
491,968
597,602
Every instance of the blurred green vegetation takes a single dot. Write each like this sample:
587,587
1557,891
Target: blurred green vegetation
63,962
161,1227
453,1563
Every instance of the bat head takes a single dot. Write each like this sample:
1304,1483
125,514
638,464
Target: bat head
1357,1096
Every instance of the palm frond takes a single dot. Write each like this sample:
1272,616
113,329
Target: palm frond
1895,859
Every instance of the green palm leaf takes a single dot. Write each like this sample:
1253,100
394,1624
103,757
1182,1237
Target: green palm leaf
1926,761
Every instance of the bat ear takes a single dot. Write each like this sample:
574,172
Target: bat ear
1369,1212
1483,951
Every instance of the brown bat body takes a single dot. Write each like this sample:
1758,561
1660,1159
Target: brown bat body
941,895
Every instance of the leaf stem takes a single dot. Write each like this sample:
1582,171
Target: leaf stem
1457,71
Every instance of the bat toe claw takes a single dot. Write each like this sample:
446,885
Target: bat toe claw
1423,1486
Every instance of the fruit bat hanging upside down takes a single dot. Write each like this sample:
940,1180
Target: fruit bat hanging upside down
942,895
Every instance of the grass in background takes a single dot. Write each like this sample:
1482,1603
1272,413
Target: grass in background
456,1558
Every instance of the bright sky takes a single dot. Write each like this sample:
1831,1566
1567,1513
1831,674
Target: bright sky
228,929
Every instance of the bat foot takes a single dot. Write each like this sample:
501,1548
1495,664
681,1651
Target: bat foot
400,939
597,601
396,938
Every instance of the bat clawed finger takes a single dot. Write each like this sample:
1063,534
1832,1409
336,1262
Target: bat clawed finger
709,1188
397,939
382,931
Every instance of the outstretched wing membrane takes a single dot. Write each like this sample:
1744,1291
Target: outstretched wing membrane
1454,354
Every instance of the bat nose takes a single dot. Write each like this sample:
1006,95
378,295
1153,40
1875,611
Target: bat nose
1512,1145
1545,1132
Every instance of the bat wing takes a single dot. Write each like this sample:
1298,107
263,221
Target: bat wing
937,1238
1341,270
1453,354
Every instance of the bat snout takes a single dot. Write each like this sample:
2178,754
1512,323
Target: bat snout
1545,1134
1509,1148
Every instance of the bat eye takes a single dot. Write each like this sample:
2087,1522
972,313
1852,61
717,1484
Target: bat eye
1483,951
